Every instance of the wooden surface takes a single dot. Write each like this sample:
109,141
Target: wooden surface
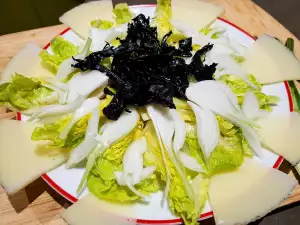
38,203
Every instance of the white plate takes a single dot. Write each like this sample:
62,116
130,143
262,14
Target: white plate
66,181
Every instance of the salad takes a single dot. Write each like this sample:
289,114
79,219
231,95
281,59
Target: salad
146,105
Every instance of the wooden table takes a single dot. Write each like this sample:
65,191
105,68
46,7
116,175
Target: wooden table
38,203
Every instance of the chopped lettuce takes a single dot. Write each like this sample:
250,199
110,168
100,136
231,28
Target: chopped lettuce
102,181
62,50
23,93
240,87
122,12
102,24
179,202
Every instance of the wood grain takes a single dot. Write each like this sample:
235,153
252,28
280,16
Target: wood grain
38,204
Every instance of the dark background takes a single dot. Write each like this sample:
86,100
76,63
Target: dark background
19,15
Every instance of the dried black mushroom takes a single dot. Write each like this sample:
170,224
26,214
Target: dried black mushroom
145,70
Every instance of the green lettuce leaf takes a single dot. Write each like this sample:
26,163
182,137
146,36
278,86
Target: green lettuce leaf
196,47
23,93
234,134
240,87
179,202
194,149
102,24
122,12
231,149
238,58
228,155
102,182
200,186
51,132
62,50
62,47
163,15
206,30
185,111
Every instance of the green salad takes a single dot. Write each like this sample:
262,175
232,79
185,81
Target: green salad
144,108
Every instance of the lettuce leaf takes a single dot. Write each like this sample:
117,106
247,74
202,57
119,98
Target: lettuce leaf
185,111
62,47
179,202
23,93
163,15
240,87
51,132
194,149
231,149
238,58
102,24
62,50
102,182
162,21
122,12
110,190
228,155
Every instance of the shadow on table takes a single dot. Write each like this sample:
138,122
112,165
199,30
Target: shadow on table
26,196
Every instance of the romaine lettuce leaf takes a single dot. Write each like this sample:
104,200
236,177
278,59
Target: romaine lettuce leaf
234,134
163,15
228,155
179,202
185,111
23,93
62,47
62,50
162,21
110,190
122,12
238,58
102,182
240,87
193,145
102,24
51,132
196,47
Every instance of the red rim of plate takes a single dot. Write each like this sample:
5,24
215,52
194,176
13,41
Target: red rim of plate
203,216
